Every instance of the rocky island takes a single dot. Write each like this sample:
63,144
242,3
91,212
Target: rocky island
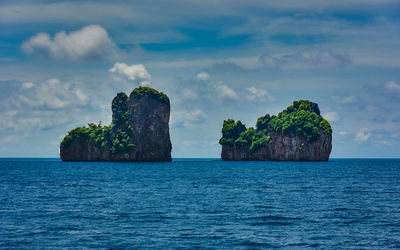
298,133
139,131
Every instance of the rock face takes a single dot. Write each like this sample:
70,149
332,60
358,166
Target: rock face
139,131
298,133
282,148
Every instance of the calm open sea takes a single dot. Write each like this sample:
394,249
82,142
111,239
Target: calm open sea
204,203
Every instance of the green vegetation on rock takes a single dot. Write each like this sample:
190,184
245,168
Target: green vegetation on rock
302,119
231,131
75,134
146,91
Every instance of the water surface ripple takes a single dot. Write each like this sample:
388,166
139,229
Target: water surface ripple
200,204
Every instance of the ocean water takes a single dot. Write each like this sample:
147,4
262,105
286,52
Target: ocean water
200,203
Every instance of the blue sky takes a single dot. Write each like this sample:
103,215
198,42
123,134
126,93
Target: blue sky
62,62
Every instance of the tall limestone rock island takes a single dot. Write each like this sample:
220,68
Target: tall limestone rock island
298,133
139,131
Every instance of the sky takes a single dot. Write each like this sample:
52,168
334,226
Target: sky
62,62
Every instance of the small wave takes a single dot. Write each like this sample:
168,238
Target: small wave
257,244
272,223
351,222
263,206
75,185
340,209
273,217
214,211
63,228
300,244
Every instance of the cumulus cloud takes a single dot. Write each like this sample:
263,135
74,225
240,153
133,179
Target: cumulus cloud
392,86
27,85
225,92
363,135
312,58
47,104
187,118
134,72
204,76
52,94
256,94
331,116
89,43
344,99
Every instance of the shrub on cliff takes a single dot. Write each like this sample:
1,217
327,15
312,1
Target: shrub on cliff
231,131
146,91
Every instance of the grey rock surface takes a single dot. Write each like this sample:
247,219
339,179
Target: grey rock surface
283,148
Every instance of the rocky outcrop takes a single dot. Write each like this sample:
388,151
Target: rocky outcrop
282,148
298,133
139,131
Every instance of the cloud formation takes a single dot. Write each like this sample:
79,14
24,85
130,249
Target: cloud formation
363,135
256,94
392,86
48,104
311,58
225,92
89,43
187,118
204,76
52,94
134,72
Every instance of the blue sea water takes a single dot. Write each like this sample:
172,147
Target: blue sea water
200,203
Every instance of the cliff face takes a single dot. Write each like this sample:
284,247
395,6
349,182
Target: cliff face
149,120
139,131
298,133
282,148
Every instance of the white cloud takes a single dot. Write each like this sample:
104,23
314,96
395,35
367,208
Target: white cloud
225,92
344,99
52,94
204,76
363,135
331,116
187,118
134,72
343,133
392,86
27,85
145,83
89,43
256,94
311,58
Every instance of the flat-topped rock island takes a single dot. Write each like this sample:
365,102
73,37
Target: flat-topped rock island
298,133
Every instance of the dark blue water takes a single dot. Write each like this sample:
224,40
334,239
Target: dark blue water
200,203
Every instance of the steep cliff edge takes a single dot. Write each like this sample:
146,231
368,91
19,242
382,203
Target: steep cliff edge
298,133
139,131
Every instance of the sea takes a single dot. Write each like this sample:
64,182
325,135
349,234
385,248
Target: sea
200,203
